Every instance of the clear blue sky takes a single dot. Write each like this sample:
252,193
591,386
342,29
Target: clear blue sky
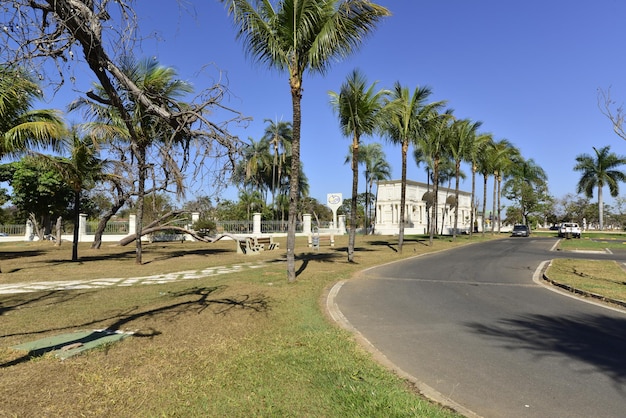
530,71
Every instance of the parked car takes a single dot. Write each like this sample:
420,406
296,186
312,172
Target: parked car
520,231
569,230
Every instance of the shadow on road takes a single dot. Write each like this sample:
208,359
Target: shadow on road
597,340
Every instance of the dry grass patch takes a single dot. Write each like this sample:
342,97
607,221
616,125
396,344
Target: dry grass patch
240,344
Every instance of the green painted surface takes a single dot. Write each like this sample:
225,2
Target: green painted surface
68,345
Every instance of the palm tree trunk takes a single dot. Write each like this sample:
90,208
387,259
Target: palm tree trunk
472,207
405,148
456,200
499,203
493,210
296,98
353,206
435,208
76,225
485,178
600,208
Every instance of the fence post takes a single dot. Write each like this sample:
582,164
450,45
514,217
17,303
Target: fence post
82,226
341,228
256,223
306,223
132,224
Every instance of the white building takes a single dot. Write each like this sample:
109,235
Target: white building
415,213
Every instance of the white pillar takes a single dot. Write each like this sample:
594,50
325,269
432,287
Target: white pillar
306,223
256,223
132,224
342,225
82,226
28,234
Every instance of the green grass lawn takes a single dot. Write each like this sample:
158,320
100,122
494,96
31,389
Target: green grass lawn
241,344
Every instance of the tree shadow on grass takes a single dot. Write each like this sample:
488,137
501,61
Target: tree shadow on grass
193,300
597,340
306,258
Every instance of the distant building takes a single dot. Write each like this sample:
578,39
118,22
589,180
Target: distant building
415,214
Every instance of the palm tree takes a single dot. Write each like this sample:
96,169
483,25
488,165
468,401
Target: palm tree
404,121
599,171
144,129
376,169
279,135
302,35
459,147
22,128
435,134
476,149
358,107
484,164
505,157
80,170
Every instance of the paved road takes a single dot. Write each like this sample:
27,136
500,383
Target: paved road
472,324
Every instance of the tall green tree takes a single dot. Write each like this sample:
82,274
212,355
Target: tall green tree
459,147
477,147
528,186
599,171
80,170
358,107
279,135
376,169
436,132
405,118
504,157
296,36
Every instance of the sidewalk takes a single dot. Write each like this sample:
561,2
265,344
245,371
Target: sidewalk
108,282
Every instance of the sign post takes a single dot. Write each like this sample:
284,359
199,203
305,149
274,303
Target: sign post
334,202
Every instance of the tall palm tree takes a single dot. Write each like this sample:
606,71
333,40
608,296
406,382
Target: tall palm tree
459,147
358,107
504,156
484,164
297,36
279,135
80,170
404,121
435,134
599,171
21,127
477,147
376,169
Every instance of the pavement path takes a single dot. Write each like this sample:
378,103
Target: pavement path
128,281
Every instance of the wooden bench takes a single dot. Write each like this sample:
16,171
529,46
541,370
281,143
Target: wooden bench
266,243
247,246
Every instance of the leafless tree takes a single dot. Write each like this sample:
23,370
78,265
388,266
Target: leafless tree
54,38
613,111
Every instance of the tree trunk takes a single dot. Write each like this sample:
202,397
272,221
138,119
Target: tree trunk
493,210
58,233
472,207
296,98
600,208
141,191
435,208
76,225
353,206
485,178
405,149
456,200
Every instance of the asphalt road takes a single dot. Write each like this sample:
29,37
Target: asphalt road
472,325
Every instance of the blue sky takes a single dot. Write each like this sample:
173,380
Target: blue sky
530,71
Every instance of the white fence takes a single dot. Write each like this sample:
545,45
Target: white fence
87,236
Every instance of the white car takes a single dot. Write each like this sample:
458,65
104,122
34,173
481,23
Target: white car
570,230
